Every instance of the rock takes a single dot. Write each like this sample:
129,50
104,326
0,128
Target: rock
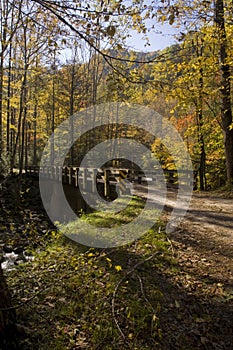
7,249
21,257
9,261
18,250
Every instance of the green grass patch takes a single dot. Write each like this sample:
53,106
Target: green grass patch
114,228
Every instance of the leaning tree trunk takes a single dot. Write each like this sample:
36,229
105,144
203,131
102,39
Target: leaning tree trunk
7,317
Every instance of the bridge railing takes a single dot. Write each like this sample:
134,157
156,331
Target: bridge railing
87,177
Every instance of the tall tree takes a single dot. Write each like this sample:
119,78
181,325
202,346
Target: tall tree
195,15
226,98
9,22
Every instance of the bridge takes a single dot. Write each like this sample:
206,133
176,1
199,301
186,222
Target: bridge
109,182
110,177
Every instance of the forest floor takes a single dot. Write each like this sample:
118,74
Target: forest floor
163,292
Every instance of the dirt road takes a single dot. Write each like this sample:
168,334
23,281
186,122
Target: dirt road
202,246
213,217
209,216
203,242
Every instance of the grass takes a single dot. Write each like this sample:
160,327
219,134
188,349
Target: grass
74,297
113,228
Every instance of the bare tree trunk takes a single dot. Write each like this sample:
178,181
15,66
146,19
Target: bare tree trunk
23,139
35,133
3,29
226,111
52,152
1,96
199,115
8,102
21,115
9,93
72,91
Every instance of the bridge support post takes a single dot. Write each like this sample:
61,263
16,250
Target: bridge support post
93,181
84,179
106,183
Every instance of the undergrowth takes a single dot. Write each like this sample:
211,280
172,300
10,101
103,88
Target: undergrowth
73,297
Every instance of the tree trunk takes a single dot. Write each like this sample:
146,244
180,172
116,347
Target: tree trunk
21,116
3,48
7,317
199,115
202,167
22,160
35,133
52,151
8,102
72,90
35,160
1,97
226,111
201,140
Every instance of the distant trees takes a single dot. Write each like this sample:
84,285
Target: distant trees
9,24
38,90
199,78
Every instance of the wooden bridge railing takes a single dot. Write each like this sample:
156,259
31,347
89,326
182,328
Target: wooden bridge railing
88,177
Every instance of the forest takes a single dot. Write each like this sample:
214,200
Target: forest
59,59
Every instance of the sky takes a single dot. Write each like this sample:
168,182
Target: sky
163,37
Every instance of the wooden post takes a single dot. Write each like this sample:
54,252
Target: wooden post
84,179
76,176
59,173
56,173
70,176
106,183
64,174
93,181
139,178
